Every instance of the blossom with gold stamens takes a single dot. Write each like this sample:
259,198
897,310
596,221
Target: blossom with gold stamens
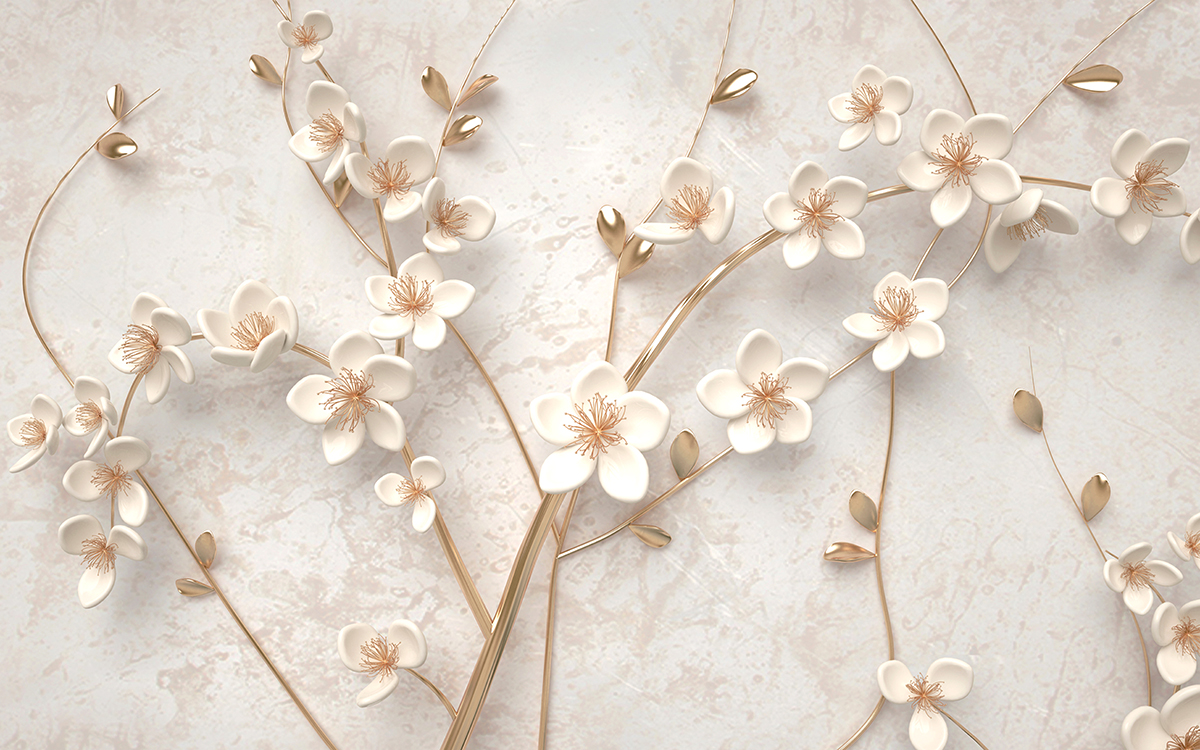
150,346
84,536
1027,217
259,327
1188,545
1176,727
947,680
406,163
336,123
691,206
873,104
902,320
382,657
400,491
1134,577
307,35
816,211
453,220
418,301
95,413
114,479
1143,189
36,431
1177,632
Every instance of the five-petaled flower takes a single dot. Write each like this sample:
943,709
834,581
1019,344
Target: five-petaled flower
307,35
406,163
902,320
815,211
257,329
1020,221
1177,727
1177,632
1187,546
946,680
95,412
687,194
874,103
114,479
36,431
1143,190
336,123
150,346
1133,576
84,536
419,300
452,220
397,490
363,649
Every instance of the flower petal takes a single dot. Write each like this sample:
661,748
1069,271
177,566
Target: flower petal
1112,576
598,377
845,240
564,470
378,689
90,389
956,677
355,125
938,124
661,233
646,421
1172,152
1023,208
927,732
806,378
29,459
215,325
452,298
996,182
429,332
723,393
806,177
395,378
424,513
340,445
1182,711
180,363
838,107
78,481
796,425
268,350
305,148
421,266
144,304
1172,204
1059,219
173,329
400,207
550,418
1175,667
1000,249
47,410
993,135
408,636
851,195
917,172
950,204
932,296
897,95
387,489
855,136
624,474
98,440
1139,600
716,226
357,169
75,531
250,296
758,354
324,97
800,249
95,585
386,428
351,640
130,452
429,471
1177,546
304,399
1135,553
684,172
1189,239
352,351
482,217
1129,149
887,128
894,279
868,75
320,22
1109,197
891,352
157,380
893,678
379,291
925,339
128,542
436,242
1165,574
337,164
1143,730
1166,617
864,326
1134,226
417,155
747,436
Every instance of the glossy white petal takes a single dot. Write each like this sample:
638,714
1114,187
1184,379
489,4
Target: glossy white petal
413,650
845,240
1182,711
623,473
1109,198
758,353
855,136
1143,730
268,350
482,218
417,155
1174,666
1022,209
356,126
851,195
999,248
429,331
932,296
304,399
996,182
806,177
1177,546
646,420
891,352
75,531
395,378
173,329
869,75
894,279
897,94
95,586
357,169
549,414
598,377
1173,203
564,470
216,326
436,242
684,172
950,204
352,350
324,97
378,689
938,124
340,445
144,304
893,678
1139,600
338,163
917,172
424,513
927,732
1134,226
1165,574
305,148
386,428
174,357
956,677
661,233
429,471
78,481
723,392
1129,149
796,424
747,436
128,451
133,504
806,378
1171,152
400,207
864,326
716,227
887,128
993,135
839,109
452,298
351,640
320,22
1189,239
800,249
47,410
1112,576
128,542
1059,219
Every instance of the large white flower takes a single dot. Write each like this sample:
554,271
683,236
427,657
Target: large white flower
874,103
1177,632
418,301
115,478
257,329
363,649
817,211
946,680
84,536
600,422
1132,576
959,160
686,191
150,346
902,320
1020,221
336,123
408,161
765,398
1143,190
1187,547
468,218
396,490
307,35
364,383
37,431
95,412
1176,728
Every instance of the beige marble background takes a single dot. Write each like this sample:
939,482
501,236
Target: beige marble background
735,635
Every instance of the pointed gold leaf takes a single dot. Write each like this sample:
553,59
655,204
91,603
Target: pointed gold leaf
192,587
1095,79
1028,409
481,83
863,509
206,548
734,85
635,254
1095,496
116,146
684,452
435,86
845,552
651,535
341,190
611,225
264,69
462,129
116,99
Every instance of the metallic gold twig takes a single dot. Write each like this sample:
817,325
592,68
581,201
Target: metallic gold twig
441,696
847,366
960,726
887,463
383,228
986,221
1055,183
921,263
128,400
865,725
1145,659
549,645
947,54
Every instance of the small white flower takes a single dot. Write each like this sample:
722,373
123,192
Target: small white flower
599,423
418,301
1177,632
946,680
874,103
363,649
336,123
817,211
1020,221
95,412
470,218
686,191
150,346
765,398
307,35
960,160
37,431
115,478
364,383
1132,576
1189,239
902,320
84,536
396,490
1176,728
257,329
408,162
1187,547
1143,191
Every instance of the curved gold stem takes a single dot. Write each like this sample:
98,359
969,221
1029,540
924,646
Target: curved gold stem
887,463
865,725
1056,183
965,730
847,366
921,263
986,221
548,658
383,228
1145,660
1071,495
312,354
612,313
128,400
947,54
441,696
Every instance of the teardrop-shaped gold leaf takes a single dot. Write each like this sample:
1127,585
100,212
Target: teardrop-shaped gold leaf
265,69
481,83
1095,79
116,99
611,225
734,85
1095,496
462,129
635,254
341,190
863,509
651,535
116,146
684,452
435,86
1028,409
192,587
845,552
206,548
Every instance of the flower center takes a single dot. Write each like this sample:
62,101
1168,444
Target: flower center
1149,186
925,694
33,432
865,102
411,297
449,217
1186,636
1137,575
327,132
305,36
249,333
1192,544
896,309
595,426
98,553
816,213
347,398
379,657
954,160
1032,227
390,179
412,491
111,480
140,348
767,400
89,416
1189,741
689,208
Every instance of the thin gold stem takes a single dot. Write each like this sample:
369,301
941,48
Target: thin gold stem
324,72
282,12
1055,183
549,646
847,366
887,463
921,263
859,732
612,315
441,696
1071,494
383,229
986,221
965,730
312,354
1145,660
947,54
888,192
128,400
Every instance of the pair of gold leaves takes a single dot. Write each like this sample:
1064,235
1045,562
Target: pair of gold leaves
863,510
1097,491
685,451
438,90
116,145
633,252
206,552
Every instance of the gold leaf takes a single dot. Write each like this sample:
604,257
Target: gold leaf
435,86
1095,79
481,83
611,225
735,84
684,452
635,254
1095,496
863,509
116,99
341,190
192,587
116,146
264,69
845,552
462,129
206,548
651,535
1028,409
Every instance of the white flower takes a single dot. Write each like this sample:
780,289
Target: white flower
84,536
396,490
874,103
1020,221
1176,728
1189,239
150,346
600,422
903,320
1132,576
1177,632
95,412
336,123
470,218
408,161
816,211
946,680
1188,547
307,35
257,329
765,398
37,431
1143,191
90,480
959,159
365,380
363,649
418,301
686,191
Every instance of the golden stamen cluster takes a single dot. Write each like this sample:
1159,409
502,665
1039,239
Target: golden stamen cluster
305,36
896,309
1149,186
412,491
390,179
111,480
327,132
411,297
595,425
449,217
1186,636
816,213
89,415
1032,227
767,400
925,694
1189,741
1192,544
865,102
1137,575
955,160
379,657
347,398
98,553
33,432
689,208
140,348
249,333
